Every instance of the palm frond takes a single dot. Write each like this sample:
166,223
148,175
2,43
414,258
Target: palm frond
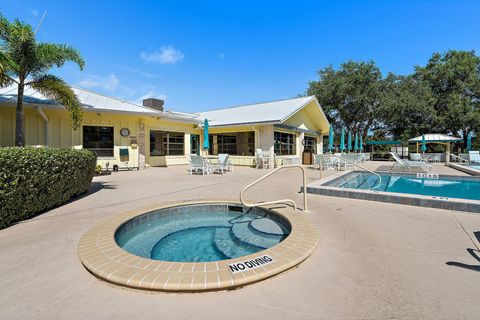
56,89
52,54
6,67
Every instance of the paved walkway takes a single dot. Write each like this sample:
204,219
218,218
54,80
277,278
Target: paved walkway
374,260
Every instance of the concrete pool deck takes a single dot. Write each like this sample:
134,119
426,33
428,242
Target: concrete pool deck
373,260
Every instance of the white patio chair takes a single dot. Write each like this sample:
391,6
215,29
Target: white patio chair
261,159
223,164
228,164
198,164
474,156
407,164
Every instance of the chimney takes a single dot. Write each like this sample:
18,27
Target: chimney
153,103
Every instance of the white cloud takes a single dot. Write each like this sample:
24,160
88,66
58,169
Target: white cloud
166,55
109,83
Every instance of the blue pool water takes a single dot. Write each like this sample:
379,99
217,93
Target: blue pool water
201,233
447,187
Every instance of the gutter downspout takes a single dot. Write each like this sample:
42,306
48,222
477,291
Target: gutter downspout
44,117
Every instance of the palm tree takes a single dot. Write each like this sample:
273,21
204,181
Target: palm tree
25,62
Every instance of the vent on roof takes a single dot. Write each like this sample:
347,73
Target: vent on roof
153,103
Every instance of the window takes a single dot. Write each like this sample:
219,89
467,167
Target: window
284,143
164,143
310,144
236,143
99,140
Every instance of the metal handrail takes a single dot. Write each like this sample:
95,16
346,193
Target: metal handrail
457,157
379,181
242,200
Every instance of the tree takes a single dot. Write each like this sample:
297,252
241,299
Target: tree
25,62
350,96
454,79
407,107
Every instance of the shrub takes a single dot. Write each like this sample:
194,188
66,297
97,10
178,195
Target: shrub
33,180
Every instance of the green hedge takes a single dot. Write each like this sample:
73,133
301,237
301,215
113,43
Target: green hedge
36,179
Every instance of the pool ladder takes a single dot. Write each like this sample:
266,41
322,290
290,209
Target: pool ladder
247,204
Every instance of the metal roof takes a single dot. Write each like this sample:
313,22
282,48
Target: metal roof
435,137
94,102
267,112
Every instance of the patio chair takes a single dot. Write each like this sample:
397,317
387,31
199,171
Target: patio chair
261,160
228,163
223,164
407,164
416,157
347,161
317,161
326,162
474,156
198,164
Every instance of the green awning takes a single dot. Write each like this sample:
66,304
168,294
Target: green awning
384,142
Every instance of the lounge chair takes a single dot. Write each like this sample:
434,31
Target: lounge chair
198,164
407,164
474,156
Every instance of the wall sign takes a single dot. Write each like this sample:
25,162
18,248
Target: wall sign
250,264
124,132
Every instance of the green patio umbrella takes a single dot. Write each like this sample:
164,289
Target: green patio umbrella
469,141
349,144
342,141
424,144
356,142
361,144
206,143
330,139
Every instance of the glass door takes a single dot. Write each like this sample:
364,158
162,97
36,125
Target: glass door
195,144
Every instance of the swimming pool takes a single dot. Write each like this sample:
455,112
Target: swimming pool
201,233
446,187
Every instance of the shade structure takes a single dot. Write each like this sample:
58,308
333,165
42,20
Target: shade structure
330,139
356,142
206,143
469,142
342,141
424,144
435,137
349,147
361,144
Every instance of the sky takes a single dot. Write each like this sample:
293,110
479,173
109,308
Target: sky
200,55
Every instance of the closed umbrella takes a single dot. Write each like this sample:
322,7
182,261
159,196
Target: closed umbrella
356,142
361,144
206,143
469,142
330,139
424,144
349,147
342,141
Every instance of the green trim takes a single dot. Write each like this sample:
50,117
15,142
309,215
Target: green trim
384,142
